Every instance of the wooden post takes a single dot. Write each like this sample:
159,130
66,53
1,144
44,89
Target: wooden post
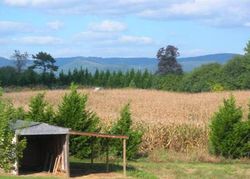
16,165
124,157
92,152
67,156
107,156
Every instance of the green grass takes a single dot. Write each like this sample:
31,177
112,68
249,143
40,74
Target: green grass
192,169
146,169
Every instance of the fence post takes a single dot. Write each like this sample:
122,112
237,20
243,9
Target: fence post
124,157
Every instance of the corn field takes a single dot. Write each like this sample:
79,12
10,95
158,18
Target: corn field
176,121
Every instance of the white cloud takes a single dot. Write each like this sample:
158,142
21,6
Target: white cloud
105,31
40,3
109,33
9,27
108,26
90,36
212,12
40,40
135,39
55,25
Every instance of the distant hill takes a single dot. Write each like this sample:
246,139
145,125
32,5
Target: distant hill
5,62
117,63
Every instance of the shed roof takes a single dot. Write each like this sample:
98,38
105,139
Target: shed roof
37,128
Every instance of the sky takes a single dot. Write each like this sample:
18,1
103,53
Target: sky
123,28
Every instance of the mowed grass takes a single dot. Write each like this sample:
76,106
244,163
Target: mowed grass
146,169
148,106
181,169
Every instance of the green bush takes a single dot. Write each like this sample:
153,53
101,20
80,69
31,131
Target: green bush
236,72
40,110
9,151
72,113
222,126
217,87
229,135
239,140
201,78
132,84
123,127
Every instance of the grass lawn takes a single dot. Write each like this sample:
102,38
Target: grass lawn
144,168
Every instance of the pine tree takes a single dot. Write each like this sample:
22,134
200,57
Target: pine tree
40,110
72,113
222,126
124,127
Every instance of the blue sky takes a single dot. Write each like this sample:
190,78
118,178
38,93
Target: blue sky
124,28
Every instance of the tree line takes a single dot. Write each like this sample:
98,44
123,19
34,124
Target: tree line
233,75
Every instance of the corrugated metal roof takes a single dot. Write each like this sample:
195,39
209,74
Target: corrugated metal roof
37,128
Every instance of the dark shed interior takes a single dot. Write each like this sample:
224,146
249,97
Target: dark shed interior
41,152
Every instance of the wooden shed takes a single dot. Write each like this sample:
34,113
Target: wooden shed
47,148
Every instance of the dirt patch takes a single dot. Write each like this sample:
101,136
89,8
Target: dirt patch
102,176
110,175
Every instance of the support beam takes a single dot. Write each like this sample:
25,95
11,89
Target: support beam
107,156
92,152
67,157
124,157
93,134
16,165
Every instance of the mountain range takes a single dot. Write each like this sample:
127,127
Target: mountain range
124,64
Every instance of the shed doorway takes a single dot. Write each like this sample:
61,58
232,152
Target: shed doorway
42,154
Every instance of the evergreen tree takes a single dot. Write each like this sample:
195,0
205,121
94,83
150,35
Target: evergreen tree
40,110
44,62
247,48
132,84
72,113
222,126
124,127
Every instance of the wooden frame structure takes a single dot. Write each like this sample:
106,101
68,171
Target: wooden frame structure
57,140
92,134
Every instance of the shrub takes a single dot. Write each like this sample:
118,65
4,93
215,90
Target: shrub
217,87
132,84
222,126
9,151
201,78
40,110
235,73
229,135
123,127
72,113
239,140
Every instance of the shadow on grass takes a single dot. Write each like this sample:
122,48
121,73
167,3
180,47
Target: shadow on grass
78,169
